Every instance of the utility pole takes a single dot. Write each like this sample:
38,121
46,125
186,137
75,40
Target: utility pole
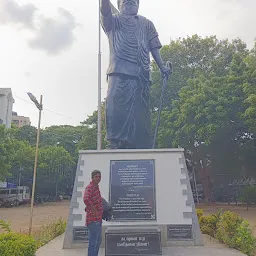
40,108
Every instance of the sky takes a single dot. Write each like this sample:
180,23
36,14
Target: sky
50,47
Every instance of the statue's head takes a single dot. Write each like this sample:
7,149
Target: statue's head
128,7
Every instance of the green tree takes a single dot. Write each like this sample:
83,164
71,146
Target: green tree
248,195
250,91
6,150
64,135
26,133
205,104
22,161
191,57
89,141
56,169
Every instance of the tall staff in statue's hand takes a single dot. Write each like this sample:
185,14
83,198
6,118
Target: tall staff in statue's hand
164,85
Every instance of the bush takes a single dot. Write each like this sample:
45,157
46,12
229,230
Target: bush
230,229
14,244
244,240
17,244
200,213
227,227
208,225
5,226
50,231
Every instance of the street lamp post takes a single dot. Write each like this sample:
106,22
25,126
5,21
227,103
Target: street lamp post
40,108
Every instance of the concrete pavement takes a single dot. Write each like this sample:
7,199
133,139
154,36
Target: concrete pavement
54,248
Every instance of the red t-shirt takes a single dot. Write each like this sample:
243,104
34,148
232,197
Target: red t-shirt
93,199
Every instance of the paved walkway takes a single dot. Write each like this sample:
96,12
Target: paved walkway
54,248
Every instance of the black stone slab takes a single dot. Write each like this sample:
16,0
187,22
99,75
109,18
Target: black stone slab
80,234
134,241
179,232
132,190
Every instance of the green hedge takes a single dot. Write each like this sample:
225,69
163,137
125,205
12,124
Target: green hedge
18,244
227,227
244,240
50,231
14,244
208,225
230,229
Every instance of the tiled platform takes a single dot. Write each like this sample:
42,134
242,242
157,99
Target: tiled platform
54,248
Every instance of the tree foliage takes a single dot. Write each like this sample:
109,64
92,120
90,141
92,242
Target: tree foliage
209,107
5,153
89,141
55,170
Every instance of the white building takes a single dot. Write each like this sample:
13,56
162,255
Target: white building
6,104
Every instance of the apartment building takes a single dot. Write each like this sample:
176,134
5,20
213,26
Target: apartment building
6,105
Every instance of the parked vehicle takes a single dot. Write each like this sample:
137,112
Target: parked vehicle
6,204
14,196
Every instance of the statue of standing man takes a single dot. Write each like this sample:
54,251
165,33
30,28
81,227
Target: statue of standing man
131,40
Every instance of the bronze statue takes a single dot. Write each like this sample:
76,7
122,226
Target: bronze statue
131,40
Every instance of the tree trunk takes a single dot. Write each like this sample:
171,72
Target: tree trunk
206,181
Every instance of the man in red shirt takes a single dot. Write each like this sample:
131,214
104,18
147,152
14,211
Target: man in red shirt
94,212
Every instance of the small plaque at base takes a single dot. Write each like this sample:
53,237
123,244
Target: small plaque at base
179,232
80,234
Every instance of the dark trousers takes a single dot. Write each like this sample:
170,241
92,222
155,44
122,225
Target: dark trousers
94,229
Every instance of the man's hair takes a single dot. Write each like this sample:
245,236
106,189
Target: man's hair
95,172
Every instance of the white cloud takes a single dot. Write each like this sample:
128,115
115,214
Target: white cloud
55,35
50,35
12,12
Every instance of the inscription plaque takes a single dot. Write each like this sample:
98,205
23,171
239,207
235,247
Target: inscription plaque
179,232
136,243
80,234
132,190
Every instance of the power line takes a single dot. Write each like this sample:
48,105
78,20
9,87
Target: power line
54,112
23,99
59,114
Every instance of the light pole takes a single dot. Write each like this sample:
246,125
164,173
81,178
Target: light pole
40,108
99,86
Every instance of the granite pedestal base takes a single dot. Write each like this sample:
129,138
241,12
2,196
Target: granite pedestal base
146,188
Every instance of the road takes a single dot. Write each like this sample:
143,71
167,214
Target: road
43,214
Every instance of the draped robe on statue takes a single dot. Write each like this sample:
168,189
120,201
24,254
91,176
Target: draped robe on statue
131,38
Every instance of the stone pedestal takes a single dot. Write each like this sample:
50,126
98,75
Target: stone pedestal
146,188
